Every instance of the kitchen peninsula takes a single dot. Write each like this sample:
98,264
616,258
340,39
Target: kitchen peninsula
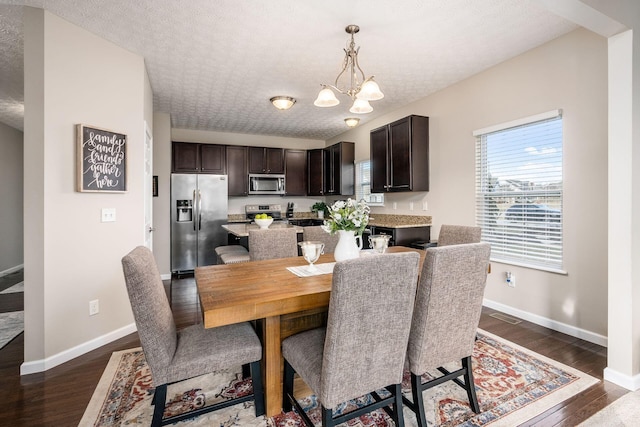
241,229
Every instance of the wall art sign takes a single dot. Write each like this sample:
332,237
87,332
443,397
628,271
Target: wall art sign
101,160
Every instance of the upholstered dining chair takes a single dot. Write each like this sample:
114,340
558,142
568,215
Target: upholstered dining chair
445,319
315,232
174,355
458,234
361,350
273,243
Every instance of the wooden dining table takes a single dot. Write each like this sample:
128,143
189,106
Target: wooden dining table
280,302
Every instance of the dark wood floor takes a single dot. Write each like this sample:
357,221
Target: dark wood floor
59,396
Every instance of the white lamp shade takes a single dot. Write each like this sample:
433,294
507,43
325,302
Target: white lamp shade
282,102
370,91
360,106
352,121
326,98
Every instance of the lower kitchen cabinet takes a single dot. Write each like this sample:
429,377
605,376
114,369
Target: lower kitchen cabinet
404,236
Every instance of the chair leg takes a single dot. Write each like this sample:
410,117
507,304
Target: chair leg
258,388
418,403
398,416
159,400
287,386
327,417
246,371
469,385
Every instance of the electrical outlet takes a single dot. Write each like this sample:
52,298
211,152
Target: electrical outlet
395,205
94,307
511,279
424,206
108,214
410,206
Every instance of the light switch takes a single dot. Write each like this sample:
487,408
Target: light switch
108,214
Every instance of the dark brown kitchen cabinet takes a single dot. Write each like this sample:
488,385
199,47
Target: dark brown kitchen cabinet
266,160
404,236
315,172
295,172
400,156
213,159
238,177
198,158
339,169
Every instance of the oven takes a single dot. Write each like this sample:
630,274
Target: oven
274,211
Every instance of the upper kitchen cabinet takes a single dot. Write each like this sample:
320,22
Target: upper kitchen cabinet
339,169
400,156
295,172
238,177
315,172
198,158
266,160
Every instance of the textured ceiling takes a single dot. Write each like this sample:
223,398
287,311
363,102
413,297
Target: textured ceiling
213,65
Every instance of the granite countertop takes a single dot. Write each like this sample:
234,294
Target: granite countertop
380,220
399,221
242,229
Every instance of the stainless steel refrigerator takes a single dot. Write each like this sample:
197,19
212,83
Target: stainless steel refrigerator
198,210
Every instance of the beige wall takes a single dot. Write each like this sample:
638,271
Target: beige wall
11,181
161,208
71,257
569,73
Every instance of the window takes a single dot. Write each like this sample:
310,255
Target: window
363,185
519,190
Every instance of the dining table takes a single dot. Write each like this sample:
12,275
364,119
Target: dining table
279,302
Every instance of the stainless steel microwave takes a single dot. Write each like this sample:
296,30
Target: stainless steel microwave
266,184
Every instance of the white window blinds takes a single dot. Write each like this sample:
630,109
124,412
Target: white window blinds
363,184
519,191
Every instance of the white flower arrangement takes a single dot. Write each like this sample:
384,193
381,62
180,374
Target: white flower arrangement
347,215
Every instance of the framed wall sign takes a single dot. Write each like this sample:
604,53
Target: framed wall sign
101,160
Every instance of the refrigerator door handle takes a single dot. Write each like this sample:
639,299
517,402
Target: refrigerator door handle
193,203
199,210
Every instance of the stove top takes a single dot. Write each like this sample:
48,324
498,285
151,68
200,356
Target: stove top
274,211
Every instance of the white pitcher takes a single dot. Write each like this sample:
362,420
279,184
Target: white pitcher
349,245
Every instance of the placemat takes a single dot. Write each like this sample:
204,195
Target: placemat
303,271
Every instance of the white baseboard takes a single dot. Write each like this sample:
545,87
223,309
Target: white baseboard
626,381
548,323
64,356
165,276
11,270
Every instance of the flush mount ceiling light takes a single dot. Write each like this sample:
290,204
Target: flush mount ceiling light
282,102
361,89
352,121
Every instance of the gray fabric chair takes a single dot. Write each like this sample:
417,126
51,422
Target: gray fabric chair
175,356
273,243
230,249
445,319
363,347
458,235
316,232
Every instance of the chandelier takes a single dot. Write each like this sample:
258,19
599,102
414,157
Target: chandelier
361,89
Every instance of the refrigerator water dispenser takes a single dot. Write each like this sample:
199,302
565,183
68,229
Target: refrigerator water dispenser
185,210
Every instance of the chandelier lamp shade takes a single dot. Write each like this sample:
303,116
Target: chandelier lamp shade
351,81
282,102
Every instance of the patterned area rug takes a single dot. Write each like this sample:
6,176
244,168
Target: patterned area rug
513,386
621,413
18,287
11,325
